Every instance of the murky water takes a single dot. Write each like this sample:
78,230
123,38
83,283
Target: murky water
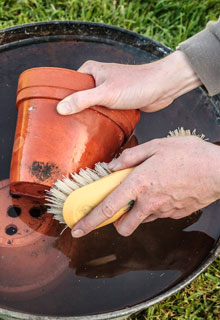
44,273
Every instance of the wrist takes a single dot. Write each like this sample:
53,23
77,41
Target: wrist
182,77
170,78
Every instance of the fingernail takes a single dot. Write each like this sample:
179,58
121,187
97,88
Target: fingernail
77,233
64,108
114,165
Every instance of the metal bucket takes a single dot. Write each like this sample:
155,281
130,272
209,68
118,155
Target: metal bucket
45,275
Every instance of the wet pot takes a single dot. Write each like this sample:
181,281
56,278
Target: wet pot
48,146
27,232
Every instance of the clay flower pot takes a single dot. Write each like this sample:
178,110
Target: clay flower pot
27,234
48,146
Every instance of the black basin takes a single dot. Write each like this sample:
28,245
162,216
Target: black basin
103,275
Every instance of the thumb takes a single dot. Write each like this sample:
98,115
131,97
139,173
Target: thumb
134,156
81,100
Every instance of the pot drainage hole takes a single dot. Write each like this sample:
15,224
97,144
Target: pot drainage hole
36,212
14,211
11,230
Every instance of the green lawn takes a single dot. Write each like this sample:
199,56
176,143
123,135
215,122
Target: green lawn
169,22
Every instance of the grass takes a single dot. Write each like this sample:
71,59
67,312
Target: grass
169,22
200,300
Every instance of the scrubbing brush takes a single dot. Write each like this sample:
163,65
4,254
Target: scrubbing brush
73,198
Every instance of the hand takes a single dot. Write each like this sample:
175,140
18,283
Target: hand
174,177
148,87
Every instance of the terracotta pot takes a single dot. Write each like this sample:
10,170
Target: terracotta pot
27,234
48,146
24,219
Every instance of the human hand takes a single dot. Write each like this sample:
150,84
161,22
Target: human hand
174,177
148,87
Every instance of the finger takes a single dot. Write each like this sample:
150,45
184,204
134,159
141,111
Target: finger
89,66
151,217
181,213
128,223
160,214
136,155
81,100
110,205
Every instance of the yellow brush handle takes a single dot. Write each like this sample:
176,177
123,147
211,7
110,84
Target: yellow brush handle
81,201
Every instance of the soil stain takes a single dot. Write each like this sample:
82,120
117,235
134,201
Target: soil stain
43,171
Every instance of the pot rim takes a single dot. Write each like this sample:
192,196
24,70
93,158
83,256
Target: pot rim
55,77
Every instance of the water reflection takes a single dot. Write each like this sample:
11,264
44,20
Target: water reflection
42,265
159,245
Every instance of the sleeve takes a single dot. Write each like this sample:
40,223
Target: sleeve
203,52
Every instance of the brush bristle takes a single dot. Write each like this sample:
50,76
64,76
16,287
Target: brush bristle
181,132
63,188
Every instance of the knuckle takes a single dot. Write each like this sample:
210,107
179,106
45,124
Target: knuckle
89,63
141,214
150,218
139,187
154,206
88,66
160,205
175,217
107,210
157,142
86,225
75,100
165,214
126,156
154,217
165,205
177,214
